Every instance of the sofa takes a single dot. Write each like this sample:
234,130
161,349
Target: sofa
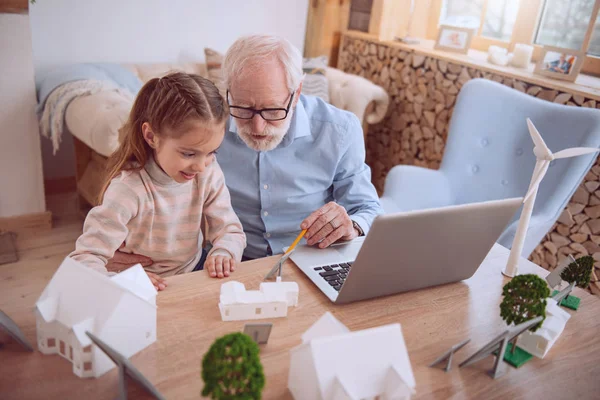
94,120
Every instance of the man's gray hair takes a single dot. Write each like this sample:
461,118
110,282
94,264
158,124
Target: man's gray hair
249,51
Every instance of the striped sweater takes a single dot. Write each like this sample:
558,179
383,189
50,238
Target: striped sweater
147,212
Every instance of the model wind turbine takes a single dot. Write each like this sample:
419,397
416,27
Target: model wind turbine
544,156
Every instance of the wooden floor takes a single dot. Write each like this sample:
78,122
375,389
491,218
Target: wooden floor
40,253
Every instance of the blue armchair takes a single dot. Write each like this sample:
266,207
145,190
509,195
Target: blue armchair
489,156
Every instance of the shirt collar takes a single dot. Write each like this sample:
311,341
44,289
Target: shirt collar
300,126
157,174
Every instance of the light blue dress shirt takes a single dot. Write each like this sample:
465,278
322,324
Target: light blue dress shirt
320,159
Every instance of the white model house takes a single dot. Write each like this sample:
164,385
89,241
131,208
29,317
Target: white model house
121,310
333,363
539,342
271,301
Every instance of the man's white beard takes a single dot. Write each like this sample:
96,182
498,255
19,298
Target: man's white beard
275,134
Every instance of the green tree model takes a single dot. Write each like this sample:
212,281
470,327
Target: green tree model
579,272
524,299
231,369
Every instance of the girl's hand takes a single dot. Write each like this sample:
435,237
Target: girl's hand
219,266
158,282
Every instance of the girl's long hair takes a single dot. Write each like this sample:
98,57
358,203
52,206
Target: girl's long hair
166,104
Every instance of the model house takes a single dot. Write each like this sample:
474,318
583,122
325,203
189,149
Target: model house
334,363
539,342
270,301
120,309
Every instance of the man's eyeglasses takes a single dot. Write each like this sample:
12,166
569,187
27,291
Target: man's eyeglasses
268,114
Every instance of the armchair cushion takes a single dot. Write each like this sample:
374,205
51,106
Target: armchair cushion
410,188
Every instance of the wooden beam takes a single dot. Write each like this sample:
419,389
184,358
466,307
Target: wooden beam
18,223
384,17
527,22
434,19
421,18
14,6
590,28
326,20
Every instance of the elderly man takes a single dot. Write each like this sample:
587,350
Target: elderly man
290,161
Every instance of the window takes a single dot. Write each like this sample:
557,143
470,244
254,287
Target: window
62,348
258,311
564,23
70,352
87,366
360,15
87,349
500,18
465,13
572,24
51,342
489,18
594,48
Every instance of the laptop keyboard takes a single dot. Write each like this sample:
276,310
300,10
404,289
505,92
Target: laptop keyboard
335,274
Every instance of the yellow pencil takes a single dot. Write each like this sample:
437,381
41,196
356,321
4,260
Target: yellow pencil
300,236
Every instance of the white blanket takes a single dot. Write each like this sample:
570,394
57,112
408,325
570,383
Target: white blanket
52,120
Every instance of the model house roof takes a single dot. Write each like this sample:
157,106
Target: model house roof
327,325
83,299
361,361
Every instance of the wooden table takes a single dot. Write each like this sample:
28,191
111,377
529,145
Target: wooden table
432,320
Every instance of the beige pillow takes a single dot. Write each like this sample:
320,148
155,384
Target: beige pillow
315,82
214,61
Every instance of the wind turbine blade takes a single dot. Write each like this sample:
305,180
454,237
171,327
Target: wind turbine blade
538,175
537,139
575,151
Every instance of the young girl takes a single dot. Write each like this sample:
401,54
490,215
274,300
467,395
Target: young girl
164,184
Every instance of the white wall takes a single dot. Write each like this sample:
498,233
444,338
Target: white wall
21,184
72,31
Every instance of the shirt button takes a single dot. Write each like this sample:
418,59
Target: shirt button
265,187
266,213
268,235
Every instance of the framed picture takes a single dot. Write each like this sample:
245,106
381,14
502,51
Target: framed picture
559,63
454,38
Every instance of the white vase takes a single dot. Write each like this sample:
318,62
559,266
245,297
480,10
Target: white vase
522,54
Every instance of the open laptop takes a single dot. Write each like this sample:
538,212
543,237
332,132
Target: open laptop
408,251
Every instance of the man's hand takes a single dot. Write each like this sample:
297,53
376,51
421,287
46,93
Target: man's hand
219,266
327,225
122,261
158,282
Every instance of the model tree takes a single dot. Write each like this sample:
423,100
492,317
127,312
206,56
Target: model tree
524,299
231,369
579,272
